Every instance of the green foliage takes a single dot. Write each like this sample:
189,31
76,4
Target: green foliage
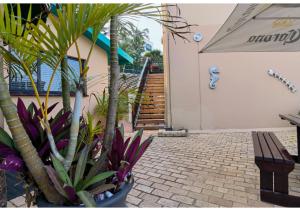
6,139
155,56
79,185
101,109
132,40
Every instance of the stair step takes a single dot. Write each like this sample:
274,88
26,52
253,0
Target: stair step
155,80
151,116
155,85
161,106
149,127
152,111
150,121
150,103
154,90
160,75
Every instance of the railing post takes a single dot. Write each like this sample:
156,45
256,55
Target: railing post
140,86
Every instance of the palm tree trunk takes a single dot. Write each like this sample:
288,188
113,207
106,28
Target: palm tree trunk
102,163
65,85
113,92
25,147
3,192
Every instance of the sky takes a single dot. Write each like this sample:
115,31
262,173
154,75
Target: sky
155,31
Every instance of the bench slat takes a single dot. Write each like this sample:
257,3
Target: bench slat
277,156
287,157
256,146
267,155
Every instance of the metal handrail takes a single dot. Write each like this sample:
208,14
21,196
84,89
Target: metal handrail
138,97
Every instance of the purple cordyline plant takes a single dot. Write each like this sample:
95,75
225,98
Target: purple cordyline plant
125,153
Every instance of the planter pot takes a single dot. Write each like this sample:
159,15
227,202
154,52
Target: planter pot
117,200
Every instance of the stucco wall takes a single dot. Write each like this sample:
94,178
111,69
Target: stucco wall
245,97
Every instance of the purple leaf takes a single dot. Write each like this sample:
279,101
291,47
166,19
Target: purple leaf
12,163
31,130
22,111
5,151
45,151
55,180
132,149
141,151
71,193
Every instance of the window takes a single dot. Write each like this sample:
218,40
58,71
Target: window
20,84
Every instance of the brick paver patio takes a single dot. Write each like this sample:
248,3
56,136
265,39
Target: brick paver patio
201,170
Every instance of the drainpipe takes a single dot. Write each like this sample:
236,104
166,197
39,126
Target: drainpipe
168,109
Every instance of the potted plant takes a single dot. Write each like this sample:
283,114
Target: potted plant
69,171
78,182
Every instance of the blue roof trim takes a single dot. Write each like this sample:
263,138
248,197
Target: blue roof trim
104,43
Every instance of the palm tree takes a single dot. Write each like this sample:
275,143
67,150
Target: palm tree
113,92
65,85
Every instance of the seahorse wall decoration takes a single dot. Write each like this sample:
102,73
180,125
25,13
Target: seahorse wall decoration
214,77
277,75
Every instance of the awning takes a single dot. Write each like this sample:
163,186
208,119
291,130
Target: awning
259,28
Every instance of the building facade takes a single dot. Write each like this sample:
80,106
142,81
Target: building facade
245,96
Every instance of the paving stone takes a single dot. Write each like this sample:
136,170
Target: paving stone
178,191
183,199
179,175
199,203
149,197
143,176
168,203
152,174
144,182
133,200
212,193
235,198
160,186
134,192
162,193
144,188
192,188
220,201
157,180
149,204
166,177
173,184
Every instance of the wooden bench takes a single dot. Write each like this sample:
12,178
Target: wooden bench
275,164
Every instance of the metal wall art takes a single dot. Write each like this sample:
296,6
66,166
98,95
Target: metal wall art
289,84
214,77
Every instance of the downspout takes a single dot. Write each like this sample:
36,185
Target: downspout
168,111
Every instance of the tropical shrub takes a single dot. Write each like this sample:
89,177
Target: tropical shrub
30,118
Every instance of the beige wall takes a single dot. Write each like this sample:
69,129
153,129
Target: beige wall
245,97
97,76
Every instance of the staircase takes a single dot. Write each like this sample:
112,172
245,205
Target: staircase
151,115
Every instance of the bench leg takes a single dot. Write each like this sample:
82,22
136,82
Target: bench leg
281,182
266,180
